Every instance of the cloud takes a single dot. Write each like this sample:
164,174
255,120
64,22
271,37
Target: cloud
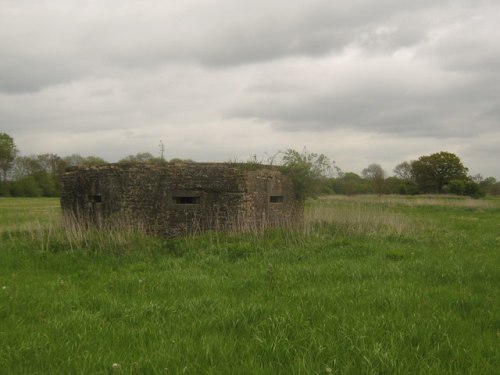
228,78
57,41
391,94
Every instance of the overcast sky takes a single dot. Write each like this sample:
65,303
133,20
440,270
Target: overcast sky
362,81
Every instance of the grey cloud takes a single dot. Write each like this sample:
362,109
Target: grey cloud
37,47
30,74
457,111
466,40
235,33
53,42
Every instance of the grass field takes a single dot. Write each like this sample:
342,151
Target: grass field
371,285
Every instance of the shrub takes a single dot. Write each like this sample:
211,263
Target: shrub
464,187
26,187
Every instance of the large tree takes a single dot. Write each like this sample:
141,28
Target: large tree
8,152
433,172
404,171
376,175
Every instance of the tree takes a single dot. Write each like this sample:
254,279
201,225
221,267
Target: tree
490,186
488,181
29,165
24,166
404,171
433,172
48,183
308,171
8,152
376,174
477,178
45,169
51,163
26,187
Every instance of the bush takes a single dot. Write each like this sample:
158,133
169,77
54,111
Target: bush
350,183
26,187
4,189
47,183
408,188
464,187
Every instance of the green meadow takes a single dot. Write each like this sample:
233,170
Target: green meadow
370,285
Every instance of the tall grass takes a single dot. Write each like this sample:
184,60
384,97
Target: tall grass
114,235
41,221
355,217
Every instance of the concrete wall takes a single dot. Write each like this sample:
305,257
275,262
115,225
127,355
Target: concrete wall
179,199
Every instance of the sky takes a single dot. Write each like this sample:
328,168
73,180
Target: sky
360,81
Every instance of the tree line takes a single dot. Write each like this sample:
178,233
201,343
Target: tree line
438,173
40,175
313,174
